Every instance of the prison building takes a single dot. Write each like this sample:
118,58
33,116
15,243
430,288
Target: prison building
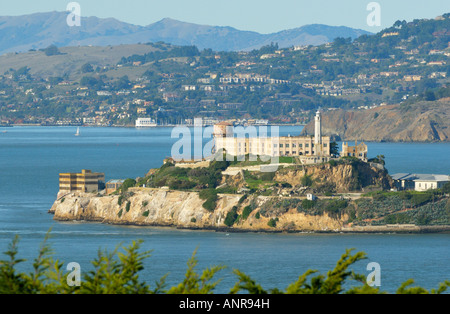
288,146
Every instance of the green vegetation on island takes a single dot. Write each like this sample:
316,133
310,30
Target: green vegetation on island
345,189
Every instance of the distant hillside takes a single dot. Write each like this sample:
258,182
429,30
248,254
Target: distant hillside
40,30
407,64
420,122
68,63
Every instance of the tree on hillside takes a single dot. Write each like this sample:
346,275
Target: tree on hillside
446,188
334,149
22,72
430,96
340,41
266,49
91,82
381,159
123,83
87,68
400,24
51,50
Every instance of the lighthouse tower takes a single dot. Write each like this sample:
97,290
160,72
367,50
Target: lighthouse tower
318,134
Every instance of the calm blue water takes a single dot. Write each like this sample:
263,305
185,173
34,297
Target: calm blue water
32,157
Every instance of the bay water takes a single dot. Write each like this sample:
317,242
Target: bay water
31,159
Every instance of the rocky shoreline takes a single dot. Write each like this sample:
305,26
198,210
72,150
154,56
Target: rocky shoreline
183,210
349,230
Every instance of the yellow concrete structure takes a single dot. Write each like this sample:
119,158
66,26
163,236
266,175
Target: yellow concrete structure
86,181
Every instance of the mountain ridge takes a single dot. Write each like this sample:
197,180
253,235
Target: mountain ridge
40,30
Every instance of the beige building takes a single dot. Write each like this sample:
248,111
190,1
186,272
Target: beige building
86,181
113,185
245,141
412,78
420,182
359,151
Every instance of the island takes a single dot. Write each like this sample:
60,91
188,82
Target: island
317,192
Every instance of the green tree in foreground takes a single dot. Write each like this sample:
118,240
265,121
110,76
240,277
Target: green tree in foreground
118,273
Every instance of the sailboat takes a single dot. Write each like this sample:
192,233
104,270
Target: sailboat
78,132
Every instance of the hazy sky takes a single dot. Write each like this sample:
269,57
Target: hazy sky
262,16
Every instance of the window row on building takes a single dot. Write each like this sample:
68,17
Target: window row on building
279,146
86,181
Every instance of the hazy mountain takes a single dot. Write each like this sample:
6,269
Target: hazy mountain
36,31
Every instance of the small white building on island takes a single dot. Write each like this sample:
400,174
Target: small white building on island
420,182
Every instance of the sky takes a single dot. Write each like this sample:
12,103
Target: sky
261,16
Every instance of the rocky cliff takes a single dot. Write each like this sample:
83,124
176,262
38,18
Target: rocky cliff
420,122
143,207
342,177
157,207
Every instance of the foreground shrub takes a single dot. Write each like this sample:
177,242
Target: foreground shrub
117,272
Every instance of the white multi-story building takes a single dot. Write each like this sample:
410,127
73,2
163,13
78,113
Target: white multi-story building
145,123
89,120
